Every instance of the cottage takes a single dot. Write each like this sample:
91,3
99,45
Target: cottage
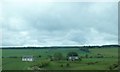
72,56
27,58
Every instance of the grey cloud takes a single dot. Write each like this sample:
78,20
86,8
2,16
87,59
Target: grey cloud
59,24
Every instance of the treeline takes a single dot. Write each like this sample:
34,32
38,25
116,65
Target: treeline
103,46
54,47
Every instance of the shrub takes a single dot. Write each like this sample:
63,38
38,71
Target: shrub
42,64
86,56
39,56
67,65
61,65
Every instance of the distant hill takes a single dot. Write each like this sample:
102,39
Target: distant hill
54,47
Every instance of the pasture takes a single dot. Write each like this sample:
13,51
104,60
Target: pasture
11,59
0,59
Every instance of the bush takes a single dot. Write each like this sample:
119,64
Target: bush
80,59
43,64
61,65
86,56
110,68
39,56
67,65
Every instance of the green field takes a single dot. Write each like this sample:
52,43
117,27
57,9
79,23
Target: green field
110,58
0,59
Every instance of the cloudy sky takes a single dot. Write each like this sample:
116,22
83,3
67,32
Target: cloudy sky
31,23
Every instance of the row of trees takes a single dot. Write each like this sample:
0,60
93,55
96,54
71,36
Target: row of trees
89,56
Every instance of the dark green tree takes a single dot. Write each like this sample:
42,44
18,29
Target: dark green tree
72,54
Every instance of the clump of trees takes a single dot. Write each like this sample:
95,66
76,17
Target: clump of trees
72,54
96,56
56,57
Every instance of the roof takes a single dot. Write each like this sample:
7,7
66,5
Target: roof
28,56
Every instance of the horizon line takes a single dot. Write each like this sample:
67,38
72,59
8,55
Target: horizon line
60,45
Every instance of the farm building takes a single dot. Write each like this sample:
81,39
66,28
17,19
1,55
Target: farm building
28,58
72,56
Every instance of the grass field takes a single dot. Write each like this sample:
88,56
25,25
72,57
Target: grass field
0,59
110,58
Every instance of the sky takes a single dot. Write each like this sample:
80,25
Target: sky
33,23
